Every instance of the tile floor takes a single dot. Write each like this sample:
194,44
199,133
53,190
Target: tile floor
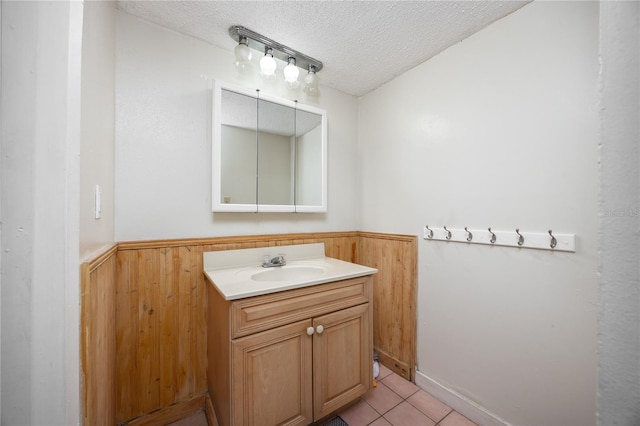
398,402
394,402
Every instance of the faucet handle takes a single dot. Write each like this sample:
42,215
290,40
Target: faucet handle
268,261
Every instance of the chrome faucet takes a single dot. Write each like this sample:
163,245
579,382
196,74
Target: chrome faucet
270,262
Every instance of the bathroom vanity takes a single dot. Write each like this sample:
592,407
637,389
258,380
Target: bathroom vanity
290,344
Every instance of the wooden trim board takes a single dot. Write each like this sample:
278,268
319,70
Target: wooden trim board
97,338
172,413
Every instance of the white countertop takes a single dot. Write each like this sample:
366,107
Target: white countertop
235,273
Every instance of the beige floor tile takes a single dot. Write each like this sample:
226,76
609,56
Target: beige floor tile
359,414
406,414
456,419
384,372
381,398
387,399
381,422
399,385
432,407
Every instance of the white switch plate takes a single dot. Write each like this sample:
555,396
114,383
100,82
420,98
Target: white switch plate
97,202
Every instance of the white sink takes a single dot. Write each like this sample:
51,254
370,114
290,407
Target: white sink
238,273
287,273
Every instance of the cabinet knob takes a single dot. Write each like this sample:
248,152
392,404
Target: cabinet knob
310,331
319,329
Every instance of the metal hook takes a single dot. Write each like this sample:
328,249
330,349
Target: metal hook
430,234
554,242
448,237
520,237
469,234
493,236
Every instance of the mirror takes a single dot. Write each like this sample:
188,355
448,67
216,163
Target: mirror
269,154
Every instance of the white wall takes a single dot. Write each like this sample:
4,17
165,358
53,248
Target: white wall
619,319
98,126
163,142
500,130
531,308
1,186
41,46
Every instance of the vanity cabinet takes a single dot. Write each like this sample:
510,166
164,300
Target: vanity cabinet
292,357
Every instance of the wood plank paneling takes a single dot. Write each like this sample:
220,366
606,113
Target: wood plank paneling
147,359
166,324
161,329
157,317
394,297
98,338
127,334
171,413
184,324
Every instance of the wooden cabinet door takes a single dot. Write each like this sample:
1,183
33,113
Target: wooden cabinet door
272,377
342,358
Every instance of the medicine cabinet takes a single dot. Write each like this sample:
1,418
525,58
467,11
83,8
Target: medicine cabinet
269,154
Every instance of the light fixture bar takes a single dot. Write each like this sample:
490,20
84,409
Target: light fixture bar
280,51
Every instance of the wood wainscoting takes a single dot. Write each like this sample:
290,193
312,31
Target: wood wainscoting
98,338
394,298
144,349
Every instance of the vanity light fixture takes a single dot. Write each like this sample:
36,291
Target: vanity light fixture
272,49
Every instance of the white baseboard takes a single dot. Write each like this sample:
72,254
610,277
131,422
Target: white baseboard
461,404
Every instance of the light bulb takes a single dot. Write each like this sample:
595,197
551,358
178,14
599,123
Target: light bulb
311,82
267,63
242,51
291,71
243,56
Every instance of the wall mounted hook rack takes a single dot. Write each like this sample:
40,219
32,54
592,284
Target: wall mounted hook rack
548,240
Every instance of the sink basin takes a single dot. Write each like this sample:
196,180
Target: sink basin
287,273
237,274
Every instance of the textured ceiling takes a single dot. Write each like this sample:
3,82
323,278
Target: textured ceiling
362,44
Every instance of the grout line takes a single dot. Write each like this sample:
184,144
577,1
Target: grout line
381,378
383,415
432,419
375,420
408,396
442,419
391,408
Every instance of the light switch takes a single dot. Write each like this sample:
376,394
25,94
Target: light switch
98,202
